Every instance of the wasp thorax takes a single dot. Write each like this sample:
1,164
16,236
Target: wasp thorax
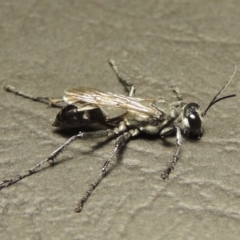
192,120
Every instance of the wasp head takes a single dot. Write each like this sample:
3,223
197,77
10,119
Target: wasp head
192,117
192,120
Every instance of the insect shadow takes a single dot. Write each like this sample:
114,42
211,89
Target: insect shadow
153,117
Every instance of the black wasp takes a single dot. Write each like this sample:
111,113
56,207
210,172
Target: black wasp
86,106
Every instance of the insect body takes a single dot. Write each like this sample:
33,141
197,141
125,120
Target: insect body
86,106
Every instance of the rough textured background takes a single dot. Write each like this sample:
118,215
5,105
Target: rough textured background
47,46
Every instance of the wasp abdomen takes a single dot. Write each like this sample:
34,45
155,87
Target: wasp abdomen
71,116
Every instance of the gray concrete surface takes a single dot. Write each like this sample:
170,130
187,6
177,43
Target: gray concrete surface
47,46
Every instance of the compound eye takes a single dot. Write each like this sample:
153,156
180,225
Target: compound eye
194,122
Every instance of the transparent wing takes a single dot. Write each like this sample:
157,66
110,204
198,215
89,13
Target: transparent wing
94,98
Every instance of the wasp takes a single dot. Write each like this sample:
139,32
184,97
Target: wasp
86,106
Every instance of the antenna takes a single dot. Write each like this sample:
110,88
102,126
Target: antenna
215,100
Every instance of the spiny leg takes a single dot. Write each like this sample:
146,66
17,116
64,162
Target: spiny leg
120,141
53,155
175,157
129,87
46,100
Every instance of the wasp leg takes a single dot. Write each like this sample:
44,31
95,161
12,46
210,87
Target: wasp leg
175,157
129,87
120,141
54,155
177,93
47,100
177,104
167,131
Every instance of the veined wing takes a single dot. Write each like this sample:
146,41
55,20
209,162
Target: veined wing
93,97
